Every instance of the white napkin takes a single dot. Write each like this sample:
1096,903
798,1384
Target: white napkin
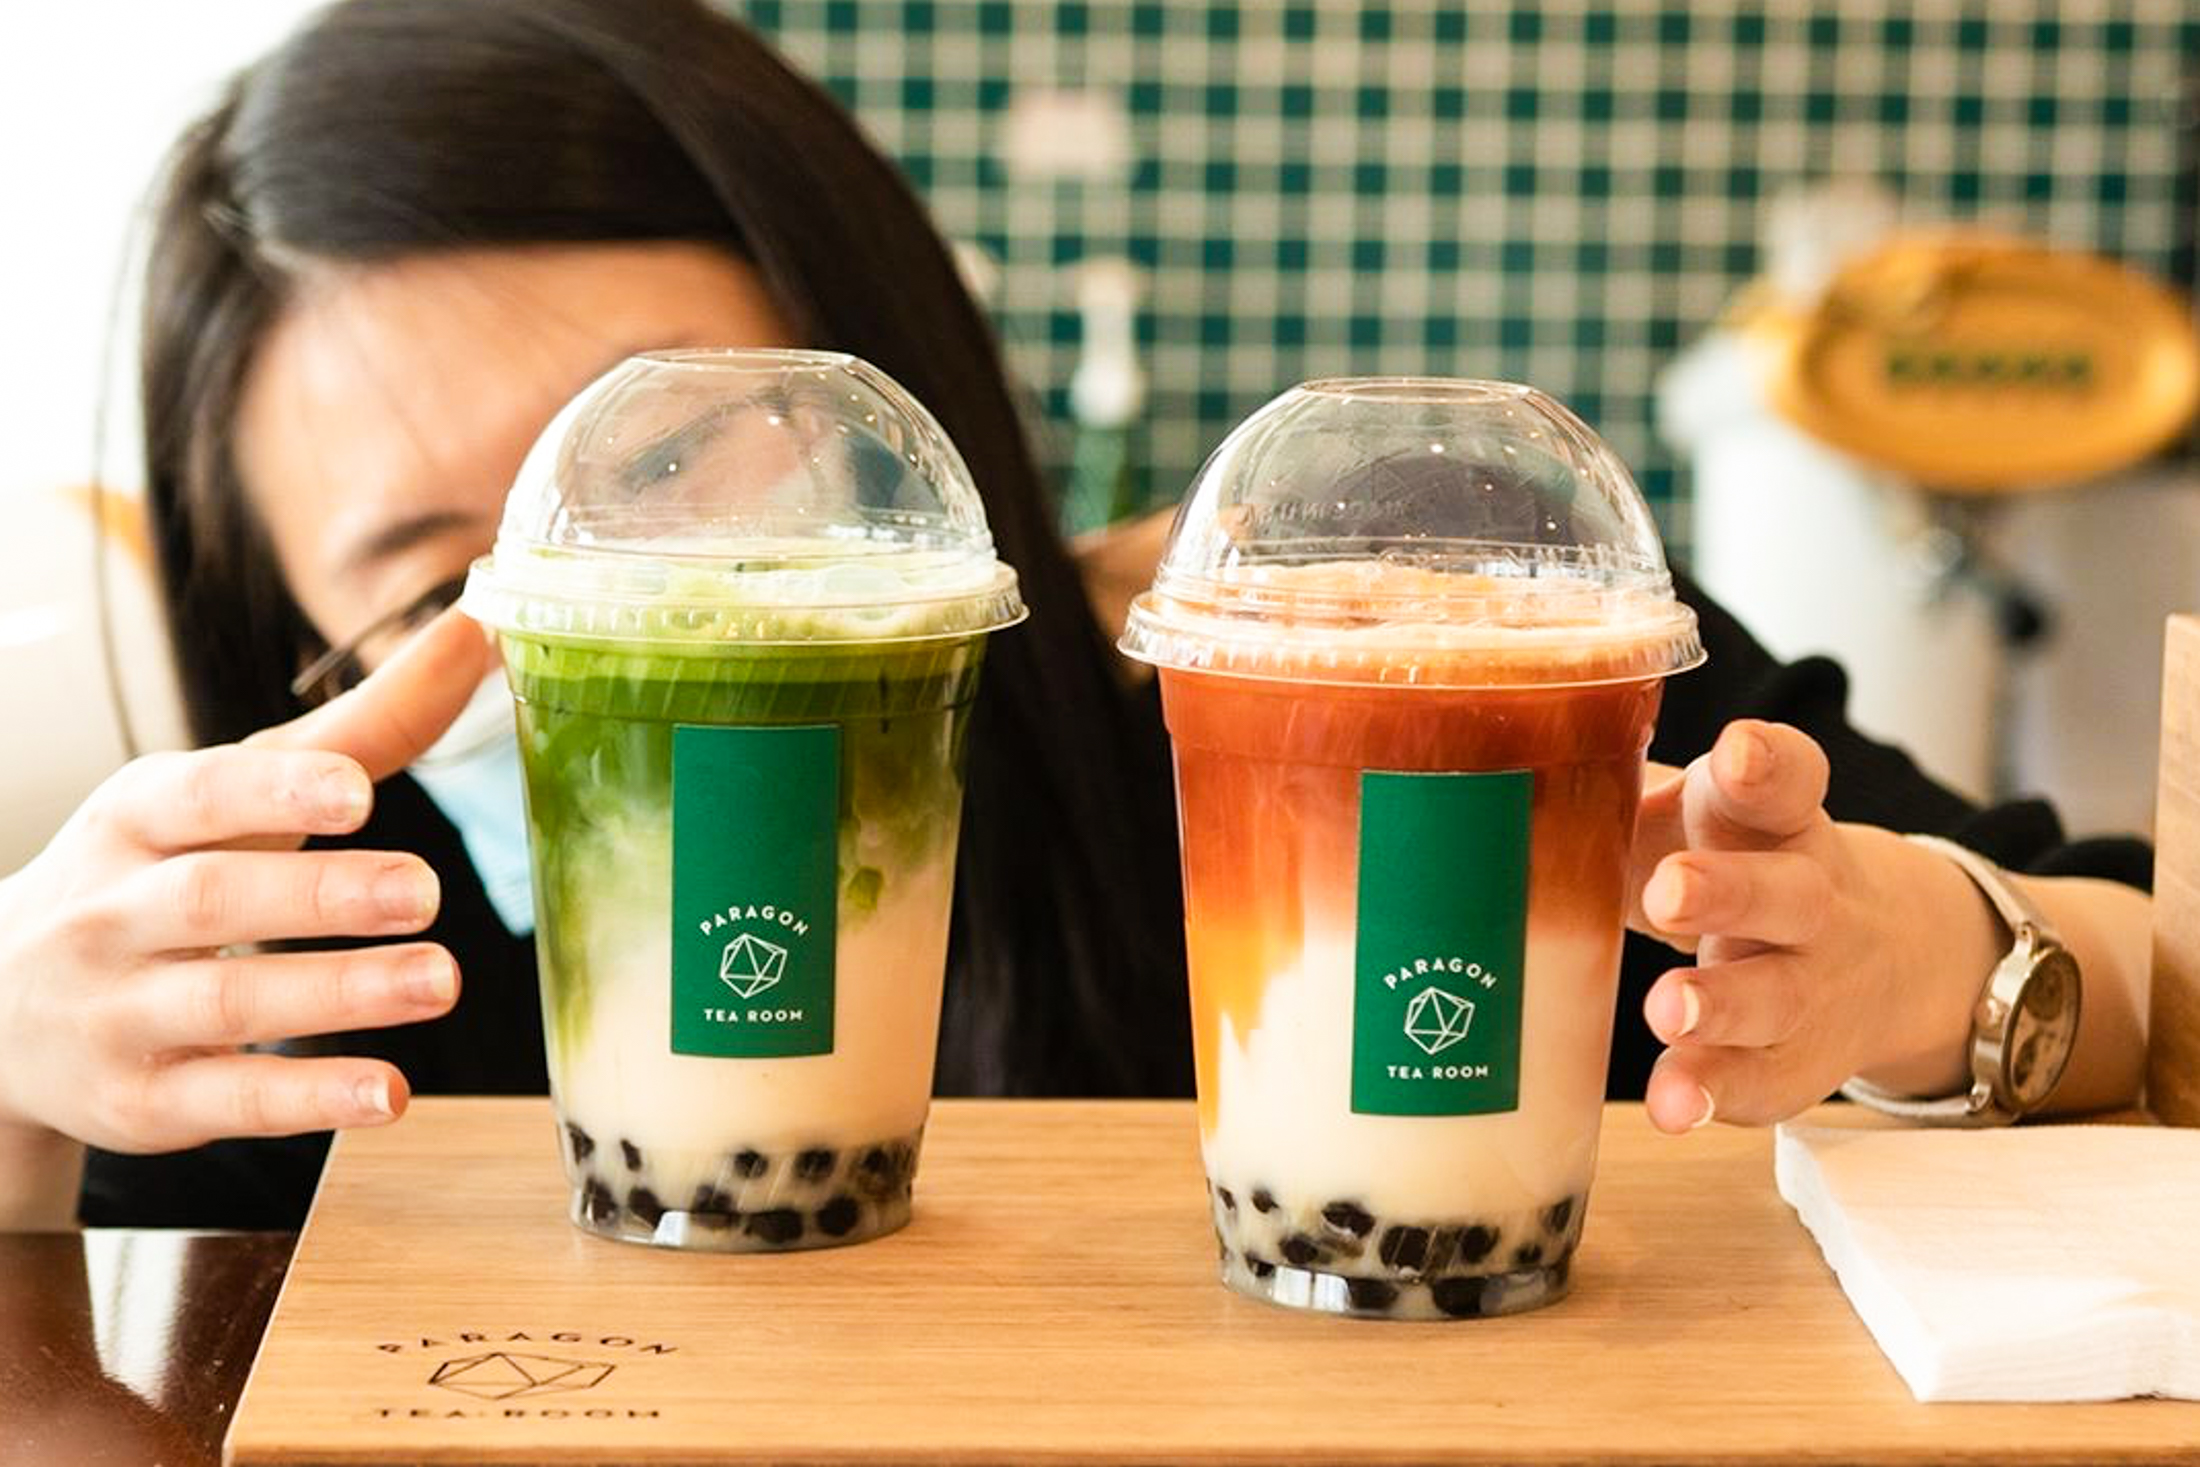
2043,1263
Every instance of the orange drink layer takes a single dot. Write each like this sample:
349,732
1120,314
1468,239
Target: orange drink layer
1269,801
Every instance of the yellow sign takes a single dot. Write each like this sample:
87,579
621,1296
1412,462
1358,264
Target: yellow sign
1980,364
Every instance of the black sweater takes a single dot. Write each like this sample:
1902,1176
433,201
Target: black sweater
491,1042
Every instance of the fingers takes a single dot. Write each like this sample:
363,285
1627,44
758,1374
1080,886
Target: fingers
212,797
1694,1084
1658,834
396,714
1749,1003
213,899
1778,897
1761,784
269,1095
226,1002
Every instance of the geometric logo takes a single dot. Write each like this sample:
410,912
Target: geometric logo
501,1375
1436,1020
750,965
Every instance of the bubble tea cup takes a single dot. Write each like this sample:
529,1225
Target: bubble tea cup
1411,636
743,598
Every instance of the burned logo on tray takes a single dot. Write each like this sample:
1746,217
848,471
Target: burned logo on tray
501,1375
538,1380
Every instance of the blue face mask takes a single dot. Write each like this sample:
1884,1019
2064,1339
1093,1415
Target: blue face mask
472,773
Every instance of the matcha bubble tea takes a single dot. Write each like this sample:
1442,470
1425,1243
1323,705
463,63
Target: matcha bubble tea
742,598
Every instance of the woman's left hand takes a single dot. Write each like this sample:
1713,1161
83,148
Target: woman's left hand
1822,950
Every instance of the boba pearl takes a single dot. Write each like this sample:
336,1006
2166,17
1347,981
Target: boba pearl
1349,1218
779,1225
644,1205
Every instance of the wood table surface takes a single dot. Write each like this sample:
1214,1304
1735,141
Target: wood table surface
128,1347
1055,1301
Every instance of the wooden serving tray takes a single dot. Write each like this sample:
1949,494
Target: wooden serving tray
1055,1300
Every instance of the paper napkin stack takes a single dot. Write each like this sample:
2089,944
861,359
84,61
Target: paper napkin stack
2042,1263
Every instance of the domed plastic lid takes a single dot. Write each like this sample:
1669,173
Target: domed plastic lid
1415,530
751,497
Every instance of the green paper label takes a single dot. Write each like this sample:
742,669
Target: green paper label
1442,942
755,852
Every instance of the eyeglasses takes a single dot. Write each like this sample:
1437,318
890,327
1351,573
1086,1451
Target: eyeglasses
344,666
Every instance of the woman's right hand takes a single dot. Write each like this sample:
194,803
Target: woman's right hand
128,987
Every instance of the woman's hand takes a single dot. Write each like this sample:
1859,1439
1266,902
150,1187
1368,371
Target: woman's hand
127,984
1822,950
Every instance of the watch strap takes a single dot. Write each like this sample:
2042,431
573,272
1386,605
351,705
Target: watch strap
2015,909
1976,1104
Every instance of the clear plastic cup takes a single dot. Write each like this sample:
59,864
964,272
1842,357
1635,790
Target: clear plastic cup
1411,635
743,597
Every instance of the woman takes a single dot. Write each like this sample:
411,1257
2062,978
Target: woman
399,244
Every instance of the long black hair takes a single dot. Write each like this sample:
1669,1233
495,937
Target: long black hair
387,128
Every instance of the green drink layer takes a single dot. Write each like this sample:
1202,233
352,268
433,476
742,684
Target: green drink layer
596,724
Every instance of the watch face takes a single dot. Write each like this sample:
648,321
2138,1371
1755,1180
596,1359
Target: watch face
2043,1030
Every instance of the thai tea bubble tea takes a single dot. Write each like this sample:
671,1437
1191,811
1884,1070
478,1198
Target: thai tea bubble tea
1411,637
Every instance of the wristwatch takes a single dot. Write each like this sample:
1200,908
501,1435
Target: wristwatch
2025,1025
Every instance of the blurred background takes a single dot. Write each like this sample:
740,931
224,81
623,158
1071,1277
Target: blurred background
1176,209
1561,194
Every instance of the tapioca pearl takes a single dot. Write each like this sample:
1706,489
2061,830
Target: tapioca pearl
838,1218
815,1164
778,1225
644,1205
598,1203
583,1145
1370,1294
716,1222
905,1165
1558,1215
751,1163
1476,1243
878,1173
1349,1218
630,1154
1299,1249
1258,1267
710,1199
1459,1297
1528,1255
1263,1200
1402,1248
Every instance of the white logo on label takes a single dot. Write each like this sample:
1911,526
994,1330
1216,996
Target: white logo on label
1436,1020
750,965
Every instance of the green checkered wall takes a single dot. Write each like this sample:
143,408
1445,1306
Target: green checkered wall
1559,193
